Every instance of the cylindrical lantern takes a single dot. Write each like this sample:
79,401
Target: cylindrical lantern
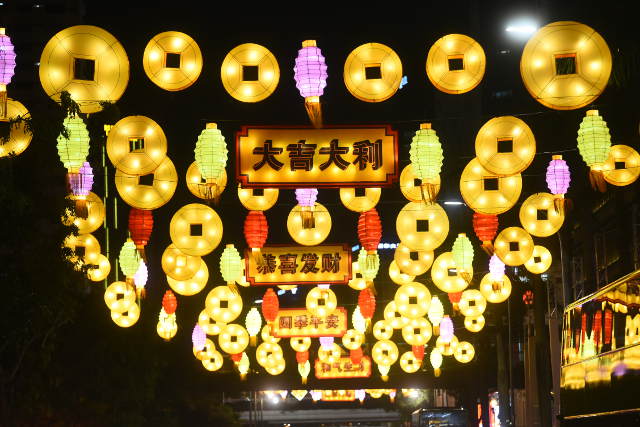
485,226
369,234
357,320
368,266
80,184
446,329
7,66
73,147
256,230
140,227
270,305
435,357
211,157
253,323
167,326
129,260
594,142
356,355
426,159
435,313
310,73
140,279
454,299
496,267
367,304
169,302
306,198
558,179
462,252
231,266
198,338
326,342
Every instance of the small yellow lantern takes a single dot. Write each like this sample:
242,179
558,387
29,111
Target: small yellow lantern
223,305
514,246
540,260
192,285
409,363
422,227
309,236
358,321
382,330
435,313
196,229
321,302
486,192
243,366
464,352
472,303
393,316
474,323
495,291
167,326
417,332
398,277
253,323
539,216
445,275
304,369
353,339
412,300
403,258
233,339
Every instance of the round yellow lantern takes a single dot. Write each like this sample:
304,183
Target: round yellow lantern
422,227
321,302
266,336
94,219
409,363
206,352
119,297
127,318
88,243
495,291
19,137
276,369
86,61
357,282
192,285
233,339
144,196
167,327
404,258
417,331
486,192
398,277
372,72
384,352
363,203
196,229
514,246
474,323
393,316
539,216
540,260
204,189
136,145
208,325
382,330
464,352
268,354
329,354
250,72
622,166
565,65
411,185
447,348
445,275
505,145
214,363
254,201
101,269
178,265
313,235
412,300
353,339
456,63
172,60
299,344
223,305
472,303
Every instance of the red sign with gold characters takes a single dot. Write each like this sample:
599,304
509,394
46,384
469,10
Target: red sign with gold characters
298,322
343,368
300,265
331,157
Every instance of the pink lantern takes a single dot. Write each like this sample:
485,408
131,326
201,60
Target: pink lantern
558,179
446,329
80,184
360,394
140,278
306,198
310,73
7,66
199,338
496,267
326,342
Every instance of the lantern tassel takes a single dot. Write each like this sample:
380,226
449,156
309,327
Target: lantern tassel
243,376
257,257
211,193
487,246
385,378
429,192
233,287
304,380
142,252
3,102
253,340
436,329
558,203
596,178
466,276
308,220
141,292
314,110
436,372
81,208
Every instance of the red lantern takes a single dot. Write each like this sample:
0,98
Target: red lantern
236,357
302,356
367,303
169,302
256,231
608,325
454,299
597,328
485,226
270,305
527,297
140,227
418,351
356,356
370,230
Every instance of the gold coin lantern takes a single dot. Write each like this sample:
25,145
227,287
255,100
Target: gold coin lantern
397,276
192,285
223,305
127,318
250,72
19,138
505,145
539,216
268,354
309,236
362,203
299,344
622,167
464,352
213,363
86,61
382,330
90,249
417,331
172,60
446,276
472,303
321,302
514,246
178,265
411,185
540,260
409,363
384,352
258,200
329,354
204,189
412,262
100,269
208,325
565,65
196,229
277,369
94,219
412,300
207,350
422,227
233,339
266,336
486,192
357,282
456,63
393,316
119,297
447,347
495,291
136,145
151,191
474,323
353,339
372,72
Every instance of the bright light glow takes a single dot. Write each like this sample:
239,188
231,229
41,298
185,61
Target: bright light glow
453,203
521,28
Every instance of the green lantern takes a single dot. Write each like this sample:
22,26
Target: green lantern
73,150
211,155
129,259
426,160
369,265
594,142
231,266
462,252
